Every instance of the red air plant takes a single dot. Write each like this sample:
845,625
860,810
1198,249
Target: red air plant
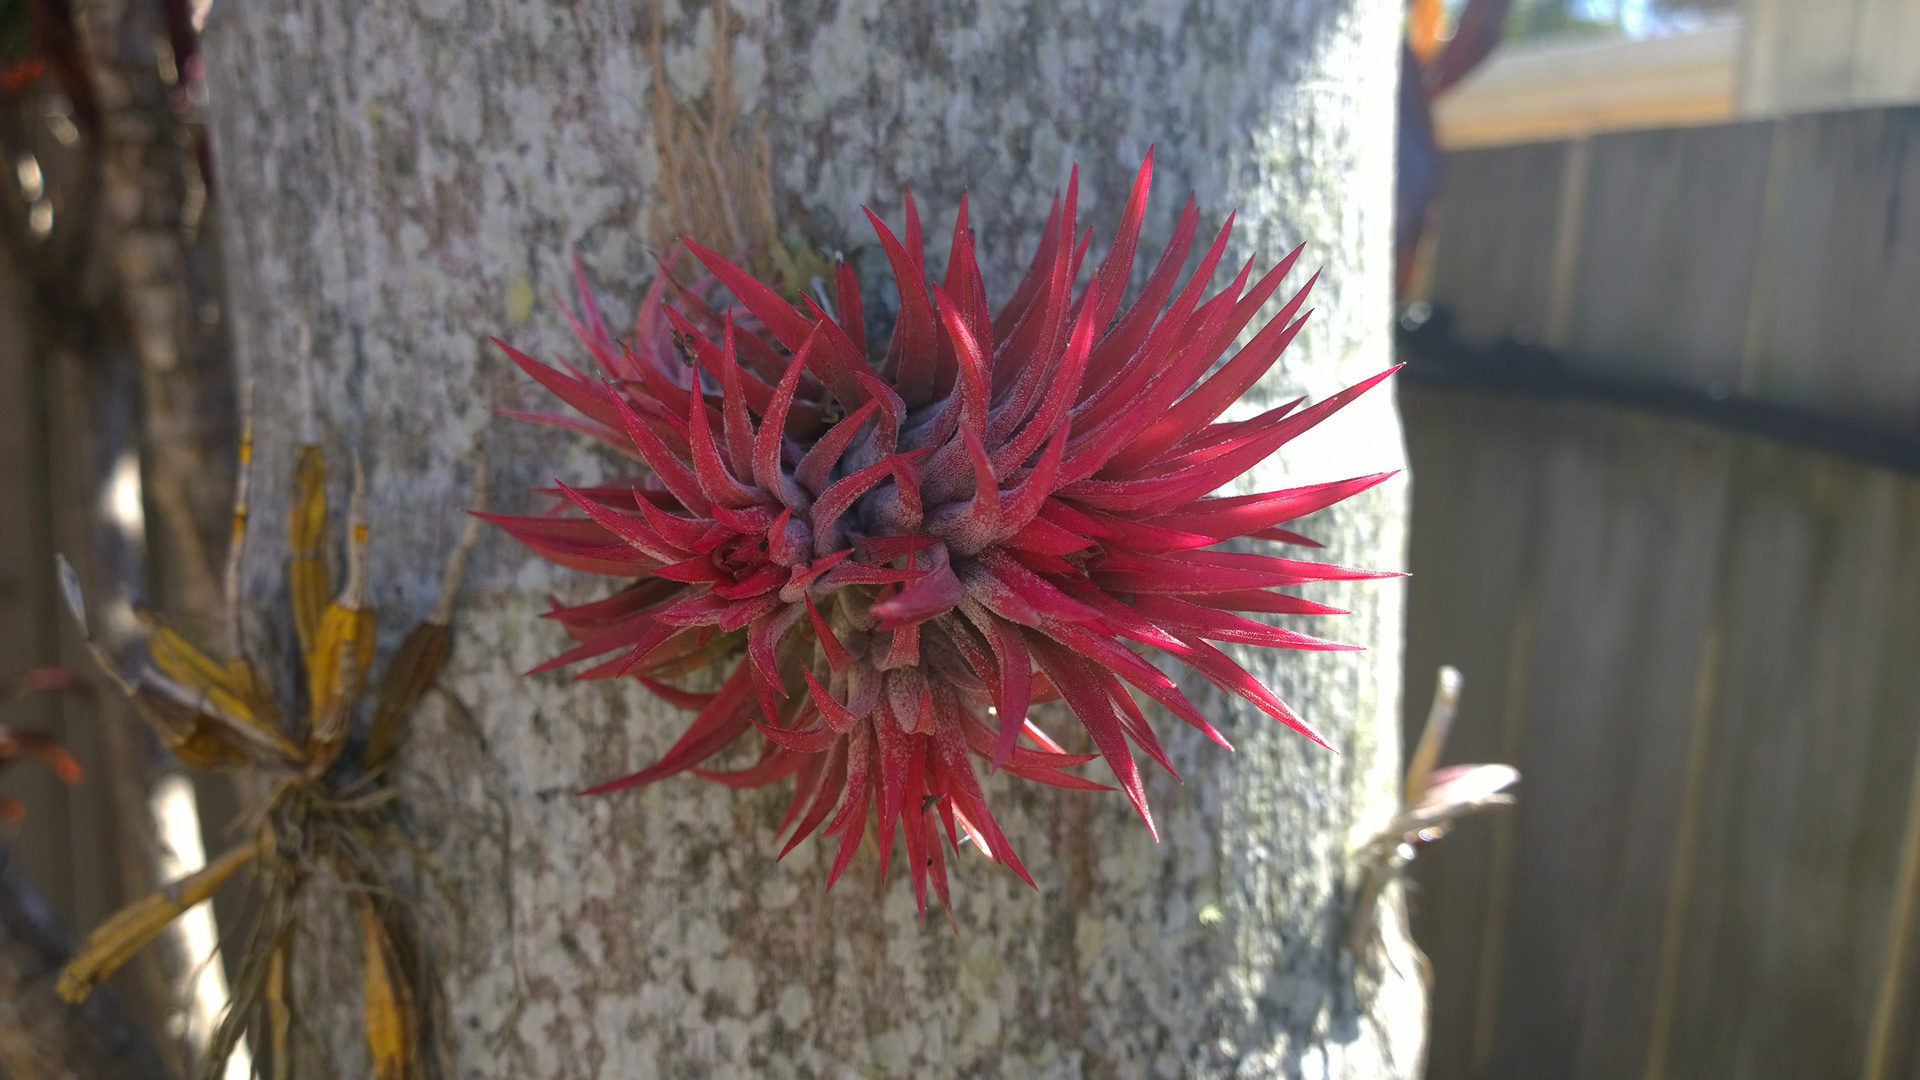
910,553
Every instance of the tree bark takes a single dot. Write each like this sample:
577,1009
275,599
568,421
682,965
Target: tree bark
405,180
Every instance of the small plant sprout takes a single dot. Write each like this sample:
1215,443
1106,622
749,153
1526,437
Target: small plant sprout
1435,798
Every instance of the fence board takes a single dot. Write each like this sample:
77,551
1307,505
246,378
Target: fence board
62,419
1500,211
1842,267
1464,614
1894,1039
1647,494
40,845
1811,775
1693,892
1663,274
1780,258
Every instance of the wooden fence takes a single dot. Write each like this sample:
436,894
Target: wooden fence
1702,650
65,423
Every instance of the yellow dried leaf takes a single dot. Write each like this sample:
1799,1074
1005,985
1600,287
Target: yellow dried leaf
310,583
389,1008
232,690
341,656
280,1010
209,746
410,673
188,733
129,930
336,674
246,681
182,660
208,712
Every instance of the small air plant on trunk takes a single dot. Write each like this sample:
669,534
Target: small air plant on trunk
328,825
888,562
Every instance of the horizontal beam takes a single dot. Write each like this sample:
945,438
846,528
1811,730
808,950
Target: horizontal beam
1436,357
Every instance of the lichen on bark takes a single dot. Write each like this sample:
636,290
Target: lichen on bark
404,180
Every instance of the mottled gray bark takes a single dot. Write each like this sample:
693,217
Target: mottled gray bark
405,179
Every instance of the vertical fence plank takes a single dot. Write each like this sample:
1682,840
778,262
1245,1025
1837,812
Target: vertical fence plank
1663,273
1810,777
1841,266
40,845
63,417
1500,211
1766,953
90,411
1626,545
1776,258
1474,470
1893,1040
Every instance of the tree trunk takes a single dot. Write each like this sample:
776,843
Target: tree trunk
405,180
